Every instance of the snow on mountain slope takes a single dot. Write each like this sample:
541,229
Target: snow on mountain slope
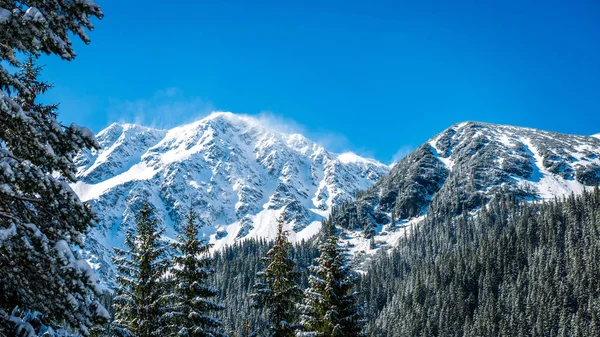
462,168
237,175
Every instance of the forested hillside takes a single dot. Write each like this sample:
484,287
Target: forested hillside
236,267
515,269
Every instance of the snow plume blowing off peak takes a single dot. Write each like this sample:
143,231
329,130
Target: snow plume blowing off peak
236,173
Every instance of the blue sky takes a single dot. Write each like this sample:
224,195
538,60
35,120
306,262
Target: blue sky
377,78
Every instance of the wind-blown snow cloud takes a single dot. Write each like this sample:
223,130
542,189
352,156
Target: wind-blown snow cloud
332,141
171,107
165,109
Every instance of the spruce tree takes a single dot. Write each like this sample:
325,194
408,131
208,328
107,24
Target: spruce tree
330,306
41,218
278,291
191,312
140,301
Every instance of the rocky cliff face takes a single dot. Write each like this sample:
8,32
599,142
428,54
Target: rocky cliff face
238,176
461,168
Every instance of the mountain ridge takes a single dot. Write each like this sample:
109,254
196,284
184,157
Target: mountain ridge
238,175
464,166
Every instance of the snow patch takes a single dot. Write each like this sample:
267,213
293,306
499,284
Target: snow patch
447,161
549,185
386,236
4,15
136,172
505,139
351,157
8,232
34,14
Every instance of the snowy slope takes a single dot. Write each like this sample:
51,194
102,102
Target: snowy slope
237,175
463,167
539,164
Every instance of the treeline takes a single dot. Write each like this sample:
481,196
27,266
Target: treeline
515,269
236,269
250,289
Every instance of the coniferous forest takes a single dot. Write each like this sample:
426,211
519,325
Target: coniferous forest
515,269
516,265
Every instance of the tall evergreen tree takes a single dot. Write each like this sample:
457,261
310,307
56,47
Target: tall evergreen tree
330,307
191,312
140,301
41,218
236,267
278,292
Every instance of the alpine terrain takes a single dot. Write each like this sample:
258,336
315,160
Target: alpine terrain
460,169
238,175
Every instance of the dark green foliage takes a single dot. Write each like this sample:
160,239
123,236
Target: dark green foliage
588,175
236,267
191,310
41,218
140,302
277,292
516,269
329,308
411,183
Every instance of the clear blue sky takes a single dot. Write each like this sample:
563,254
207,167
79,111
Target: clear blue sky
369,76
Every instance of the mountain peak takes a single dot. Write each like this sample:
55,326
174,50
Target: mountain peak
229,117
351,157
464,167
472,161
239,175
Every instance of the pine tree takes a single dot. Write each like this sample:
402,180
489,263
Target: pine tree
140,301
41,218
330,307
191,312
278,292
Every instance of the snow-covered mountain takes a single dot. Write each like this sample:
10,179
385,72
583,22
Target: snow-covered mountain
463,167
238,175
241,176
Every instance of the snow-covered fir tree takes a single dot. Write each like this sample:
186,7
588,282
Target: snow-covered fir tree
192,311
41,218
277,293
330,306
140,302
